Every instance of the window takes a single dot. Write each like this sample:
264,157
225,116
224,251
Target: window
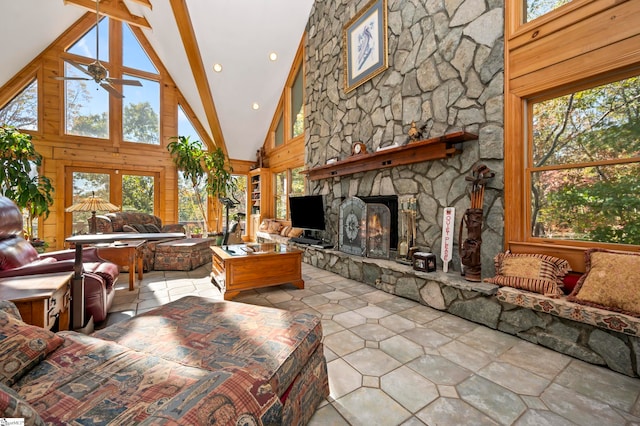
280,180
141,113
536,8
22,111
287,183
86,45
239,211
138,193
279,132
297,105
571,129
297,182
185,128
585,163
133,55
86,106
86,184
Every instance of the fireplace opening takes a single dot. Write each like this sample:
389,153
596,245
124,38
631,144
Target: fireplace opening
391,201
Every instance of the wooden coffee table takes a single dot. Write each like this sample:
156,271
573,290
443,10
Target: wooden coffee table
236,268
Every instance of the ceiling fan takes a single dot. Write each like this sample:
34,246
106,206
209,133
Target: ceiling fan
96,71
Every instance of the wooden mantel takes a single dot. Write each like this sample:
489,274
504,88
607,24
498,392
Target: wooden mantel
413,152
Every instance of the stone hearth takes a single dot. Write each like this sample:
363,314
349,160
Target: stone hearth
478,302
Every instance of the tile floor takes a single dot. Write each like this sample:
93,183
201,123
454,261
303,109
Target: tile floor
392,361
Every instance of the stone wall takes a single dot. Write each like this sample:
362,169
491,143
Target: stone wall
601,343
446,74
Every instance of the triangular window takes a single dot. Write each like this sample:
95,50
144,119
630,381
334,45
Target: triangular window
86,45
22,110
134,54
185,128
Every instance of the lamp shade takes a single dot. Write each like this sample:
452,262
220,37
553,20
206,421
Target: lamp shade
92,204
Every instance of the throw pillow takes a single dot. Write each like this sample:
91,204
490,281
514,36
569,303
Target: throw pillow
285,231
22,346
274,227
139,227
533,272
295,232
264,225
13,406
610,281
151,228
129,228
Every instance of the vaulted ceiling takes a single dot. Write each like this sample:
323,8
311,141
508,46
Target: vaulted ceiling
189,36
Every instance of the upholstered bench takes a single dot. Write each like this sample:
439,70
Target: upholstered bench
182,255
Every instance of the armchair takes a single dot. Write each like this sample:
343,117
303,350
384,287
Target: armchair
18,257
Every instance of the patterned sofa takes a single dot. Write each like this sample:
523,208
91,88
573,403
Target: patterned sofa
194,361
136,222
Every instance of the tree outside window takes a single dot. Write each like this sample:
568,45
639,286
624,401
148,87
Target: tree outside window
585,164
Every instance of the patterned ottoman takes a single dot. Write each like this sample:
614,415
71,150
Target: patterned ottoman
182,255
279,352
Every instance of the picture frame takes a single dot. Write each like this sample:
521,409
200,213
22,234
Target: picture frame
365,44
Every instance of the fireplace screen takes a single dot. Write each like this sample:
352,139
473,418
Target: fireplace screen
364,228
378,232
353,228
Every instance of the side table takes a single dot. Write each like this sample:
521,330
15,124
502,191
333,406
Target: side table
125,253
41,299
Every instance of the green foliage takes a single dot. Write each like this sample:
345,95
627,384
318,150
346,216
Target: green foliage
141,123
137,193
93,125
203,169
588,144
19,179
22,111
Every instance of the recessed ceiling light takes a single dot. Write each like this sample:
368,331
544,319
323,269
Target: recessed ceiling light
273,56
255,105
217,67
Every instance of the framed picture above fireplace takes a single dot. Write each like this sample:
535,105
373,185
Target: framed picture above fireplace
365,44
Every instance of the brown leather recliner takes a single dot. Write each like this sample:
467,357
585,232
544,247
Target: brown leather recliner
18,257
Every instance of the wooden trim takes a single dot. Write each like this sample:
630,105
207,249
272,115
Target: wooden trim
430,149
190,43
115,9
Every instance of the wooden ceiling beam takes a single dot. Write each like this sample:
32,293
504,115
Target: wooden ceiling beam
145,3
115,9
188,36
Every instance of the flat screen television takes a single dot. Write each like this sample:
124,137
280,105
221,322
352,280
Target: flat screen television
307,212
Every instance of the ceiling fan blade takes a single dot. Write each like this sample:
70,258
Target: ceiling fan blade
112,90
124,81
78,66
70,78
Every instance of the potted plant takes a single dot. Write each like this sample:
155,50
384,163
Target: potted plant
19,178
202,169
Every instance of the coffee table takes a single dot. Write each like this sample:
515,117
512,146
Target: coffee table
237,268
125,253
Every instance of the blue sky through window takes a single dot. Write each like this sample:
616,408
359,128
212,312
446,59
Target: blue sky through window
134,55
86,46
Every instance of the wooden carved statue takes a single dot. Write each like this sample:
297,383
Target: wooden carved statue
472,220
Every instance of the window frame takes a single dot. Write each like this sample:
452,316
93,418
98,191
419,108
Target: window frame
582,63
